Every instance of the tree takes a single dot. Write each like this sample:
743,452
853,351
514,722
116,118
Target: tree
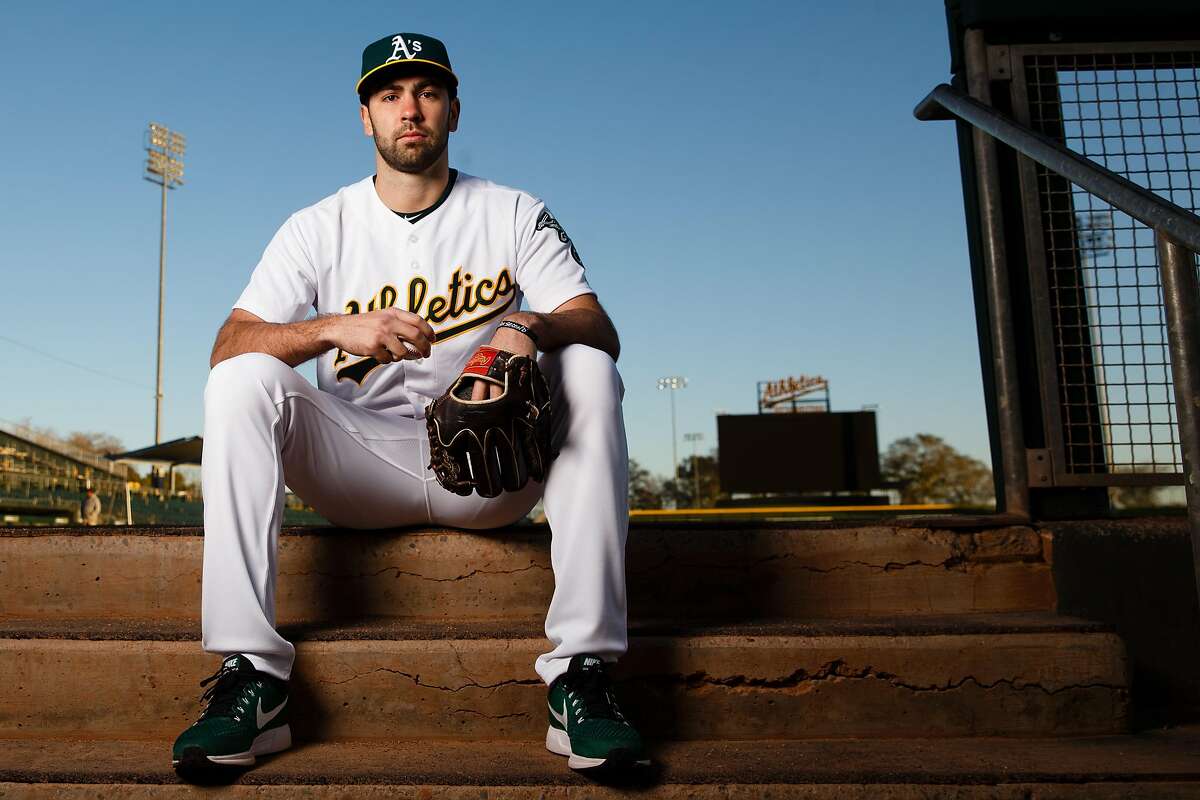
1125,497
27,424
93,442
645,489
928,470
100,444
187,479
674,494
682,490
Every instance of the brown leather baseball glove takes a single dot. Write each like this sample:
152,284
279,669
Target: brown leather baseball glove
495,445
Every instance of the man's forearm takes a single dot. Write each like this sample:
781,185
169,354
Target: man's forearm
291,342
574,326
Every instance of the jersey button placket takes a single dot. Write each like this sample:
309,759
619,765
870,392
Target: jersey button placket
413,251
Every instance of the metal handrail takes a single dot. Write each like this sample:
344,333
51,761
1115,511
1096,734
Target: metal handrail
1143,205
1177,236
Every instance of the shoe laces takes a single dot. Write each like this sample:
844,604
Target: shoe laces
590,694
225,694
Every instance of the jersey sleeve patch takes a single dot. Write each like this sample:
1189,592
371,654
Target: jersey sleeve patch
547,220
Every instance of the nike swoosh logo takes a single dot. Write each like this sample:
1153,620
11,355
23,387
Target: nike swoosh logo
263,719
561,718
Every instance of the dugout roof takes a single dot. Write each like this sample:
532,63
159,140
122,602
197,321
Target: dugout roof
177,451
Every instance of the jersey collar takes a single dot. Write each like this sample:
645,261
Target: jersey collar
416,216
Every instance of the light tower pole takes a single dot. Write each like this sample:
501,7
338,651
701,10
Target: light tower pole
693,438
673,382
164,166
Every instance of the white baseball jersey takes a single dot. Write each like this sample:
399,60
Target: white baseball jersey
462,266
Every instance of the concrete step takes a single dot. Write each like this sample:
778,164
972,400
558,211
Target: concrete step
692,572
1160,764
982,675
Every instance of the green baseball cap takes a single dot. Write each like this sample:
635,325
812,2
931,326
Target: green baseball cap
405,53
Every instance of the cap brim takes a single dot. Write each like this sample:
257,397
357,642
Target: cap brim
407,66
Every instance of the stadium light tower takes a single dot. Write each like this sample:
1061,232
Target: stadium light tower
164,166
693,438
673,382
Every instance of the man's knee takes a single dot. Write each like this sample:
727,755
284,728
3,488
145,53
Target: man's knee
246,378
588,376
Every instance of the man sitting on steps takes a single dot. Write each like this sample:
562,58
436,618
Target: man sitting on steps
426,263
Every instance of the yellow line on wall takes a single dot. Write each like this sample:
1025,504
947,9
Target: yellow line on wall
692,512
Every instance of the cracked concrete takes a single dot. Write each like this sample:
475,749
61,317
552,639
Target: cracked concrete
416,679
734,683
838,669
521,714
398,571
728,574
682,687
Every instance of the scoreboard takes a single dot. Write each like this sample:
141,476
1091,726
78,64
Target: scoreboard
816,451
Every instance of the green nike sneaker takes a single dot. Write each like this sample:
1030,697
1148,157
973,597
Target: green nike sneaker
585,722
246,716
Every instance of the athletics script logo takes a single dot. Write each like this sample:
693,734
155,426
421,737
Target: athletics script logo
464,296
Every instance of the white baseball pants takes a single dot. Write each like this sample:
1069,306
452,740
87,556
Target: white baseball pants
265,424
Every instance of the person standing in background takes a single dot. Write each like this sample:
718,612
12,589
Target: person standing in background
91,508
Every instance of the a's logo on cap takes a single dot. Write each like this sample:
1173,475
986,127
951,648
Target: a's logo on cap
401,51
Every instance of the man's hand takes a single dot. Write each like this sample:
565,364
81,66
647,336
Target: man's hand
514,342
386,335
491,446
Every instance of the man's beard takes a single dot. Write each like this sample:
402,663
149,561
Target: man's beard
412,157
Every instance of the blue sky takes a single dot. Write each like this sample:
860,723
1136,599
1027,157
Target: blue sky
745,182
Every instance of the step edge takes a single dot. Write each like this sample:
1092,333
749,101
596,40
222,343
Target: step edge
1022,623
549,774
